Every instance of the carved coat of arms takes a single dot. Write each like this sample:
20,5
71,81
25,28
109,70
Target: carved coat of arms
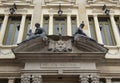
60,46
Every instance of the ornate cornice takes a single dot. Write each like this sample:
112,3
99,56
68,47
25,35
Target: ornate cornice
83,48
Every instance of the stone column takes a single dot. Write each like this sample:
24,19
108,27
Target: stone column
69,29
78,21
11,80
50,32
36,16
108,80
22,27
41,23
3,28
115,30
97,29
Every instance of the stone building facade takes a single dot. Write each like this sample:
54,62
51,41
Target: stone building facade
60,56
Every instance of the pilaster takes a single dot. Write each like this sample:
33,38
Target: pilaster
11,80
69,29
108,80
115,30
22,27
97,29
50,32
3,28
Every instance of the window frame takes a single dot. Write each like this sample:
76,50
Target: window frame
15,22
60,24
104,23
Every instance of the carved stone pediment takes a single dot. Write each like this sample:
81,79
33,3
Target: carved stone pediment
60,47
59,44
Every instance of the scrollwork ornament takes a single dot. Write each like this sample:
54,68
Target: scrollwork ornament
84,79
25,79
37,79
95,79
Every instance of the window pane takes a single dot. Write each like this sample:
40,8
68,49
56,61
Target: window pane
109,35
118,23
63,29
102,33
74,25
0,25
28,28
92,31
1,21
46,24
16,33
10,31
59,26
56,29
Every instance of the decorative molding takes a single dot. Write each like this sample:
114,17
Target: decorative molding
64,10
102,1
17,11
17,1
60,1
5,53
85,79
60,46
101,11
35,79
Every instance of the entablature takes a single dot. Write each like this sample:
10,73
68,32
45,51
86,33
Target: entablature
16,1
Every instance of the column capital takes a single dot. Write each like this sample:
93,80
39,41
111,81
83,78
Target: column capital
68,14
50,14
11,78
24,14
95,15
108,77
111,15
6,14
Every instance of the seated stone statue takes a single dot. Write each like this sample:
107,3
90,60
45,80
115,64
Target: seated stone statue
38,29
39,32
79,30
